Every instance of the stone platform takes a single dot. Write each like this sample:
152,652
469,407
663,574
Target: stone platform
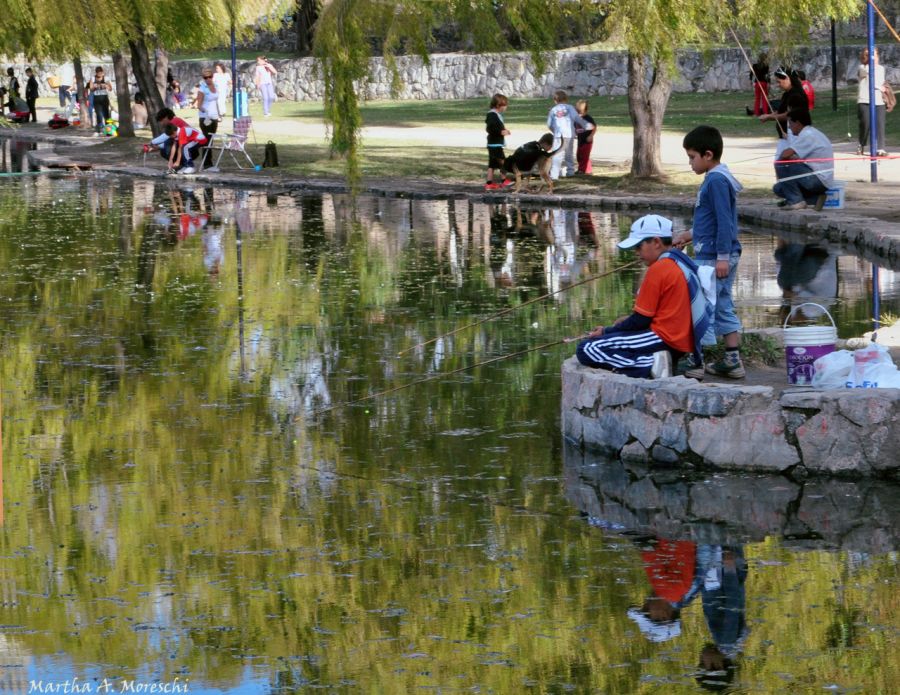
732,426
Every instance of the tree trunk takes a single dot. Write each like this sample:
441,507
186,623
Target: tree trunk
649,87
304,20
79,92
161,68
146,79
123,96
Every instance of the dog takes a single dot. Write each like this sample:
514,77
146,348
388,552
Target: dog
536,153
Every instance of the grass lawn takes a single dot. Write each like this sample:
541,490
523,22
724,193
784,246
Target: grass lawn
611,113
388,158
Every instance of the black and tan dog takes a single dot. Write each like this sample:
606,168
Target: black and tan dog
536,153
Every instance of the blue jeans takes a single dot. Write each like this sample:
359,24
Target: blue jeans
726,320
797,190
65,96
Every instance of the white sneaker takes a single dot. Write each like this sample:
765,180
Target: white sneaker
187,170
662,365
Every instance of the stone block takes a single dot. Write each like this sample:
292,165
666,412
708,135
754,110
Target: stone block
710,401
664,399
866,407
753,399
617,390
673,433
801,397
644,428
755,441
829,443
606,432
573,426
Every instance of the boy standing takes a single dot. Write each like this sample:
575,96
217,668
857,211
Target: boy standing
31,94
714,235
560,121
670,311
496,139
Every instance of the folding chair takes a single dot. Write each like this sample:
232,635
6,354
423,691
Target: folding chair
235,143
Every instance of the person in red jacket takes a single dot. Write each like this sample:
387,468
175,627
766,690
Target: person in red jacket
808,88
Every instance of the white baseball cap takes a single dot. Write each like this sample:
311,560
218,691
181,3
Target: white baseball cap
647,227
655,632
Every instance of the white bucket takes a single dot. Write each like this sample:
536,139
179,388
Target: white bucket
803,345
834,196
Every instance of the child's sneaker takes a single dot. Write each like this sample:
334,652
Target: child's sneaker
689,367
491,186
662,365
506,183
728,368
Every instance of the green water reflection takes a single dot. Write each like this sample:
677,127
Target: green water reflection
184,501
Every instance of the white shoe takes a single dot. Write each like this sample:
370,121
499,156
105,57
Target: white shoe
797,206
213,170
187,170
662,365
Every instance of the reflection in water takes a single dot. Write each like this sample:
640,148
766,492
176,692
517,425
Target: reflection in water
807,274
692,532
175,508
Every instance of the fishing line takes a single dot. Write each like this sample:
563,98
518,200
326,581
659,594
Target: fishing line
884,19
514,308
765,96
440,375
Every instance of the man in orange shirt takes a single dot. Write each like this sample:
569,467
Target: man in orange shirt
667,314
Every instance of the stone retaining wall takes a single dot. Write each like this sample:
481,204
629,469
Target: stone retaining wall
732,509
464,75
678,420
582,73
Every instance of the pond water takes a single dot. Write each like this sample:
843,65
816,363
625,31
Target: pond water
191,502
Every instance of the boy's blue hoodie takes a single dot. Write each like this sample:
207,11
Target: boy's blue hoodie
715,230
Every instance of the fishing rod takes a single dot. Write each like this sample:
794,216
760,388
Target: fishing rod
765,96
514,308
441,375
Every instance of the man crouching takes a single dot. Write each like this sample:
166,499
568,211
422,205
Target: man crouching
669,311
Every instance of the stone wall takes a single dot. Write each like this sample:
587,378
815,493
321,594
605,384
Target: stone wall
733,509
462,76
675,420
583,73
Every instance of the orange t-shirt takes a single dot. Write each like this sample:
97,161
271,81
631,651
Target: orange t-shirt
664,298
670,567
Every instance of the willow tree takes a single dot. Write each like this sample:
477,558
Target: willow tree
346,31
650,31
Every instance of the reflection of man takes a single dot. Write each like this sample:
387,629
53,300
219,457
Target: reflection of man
806,273
671,567
724,607
803,183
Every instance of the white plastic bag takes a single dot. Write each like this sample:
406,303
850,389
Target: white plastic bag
832,371
884,376
870,364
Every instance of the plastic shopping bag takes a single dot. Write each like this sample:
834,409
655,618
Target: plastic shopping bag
871,364
832,371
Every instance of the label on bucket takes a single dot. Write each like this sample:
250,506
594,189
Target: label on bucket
800,369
